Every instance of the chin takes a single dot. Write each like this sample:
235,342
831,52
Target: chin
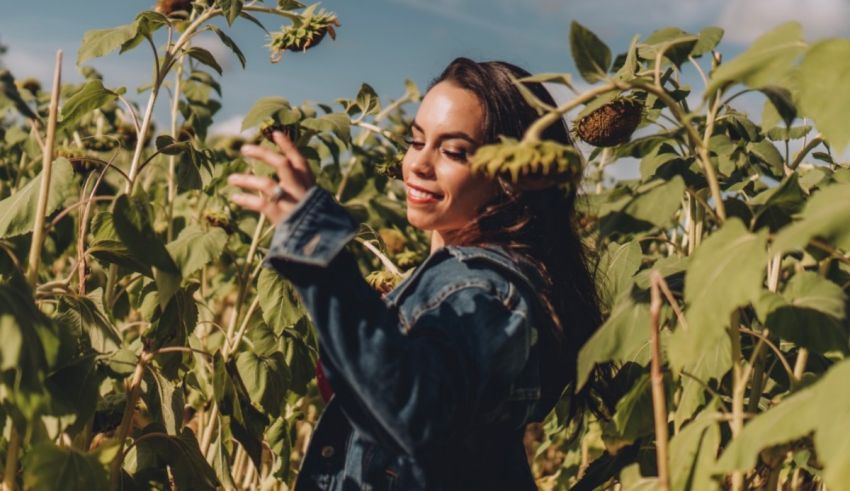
419,221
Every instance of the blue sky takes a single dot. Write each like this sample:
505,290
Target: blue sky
383,42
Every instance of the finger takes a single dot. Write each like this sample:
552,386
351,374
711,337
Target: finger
249,201
290,151
273,211
252,182
276,160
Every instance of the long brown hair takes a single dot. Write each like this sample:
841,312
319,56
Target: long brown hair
538,226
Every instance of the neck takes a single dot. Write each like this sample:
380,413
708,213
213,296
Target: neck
437,241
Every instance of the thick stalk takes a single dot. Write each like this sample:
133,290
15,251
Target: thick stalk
140,138
800,364
659,402
739,386
134,389
774,267
11,466
172,160
46,171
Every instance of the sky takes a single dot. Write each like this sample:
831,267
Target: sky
384,42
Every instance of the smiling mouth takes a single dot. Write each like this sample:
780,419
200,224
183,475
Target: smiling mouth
417,195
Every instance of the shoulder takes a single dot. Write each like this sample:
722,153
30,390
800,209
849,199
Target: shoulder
459,279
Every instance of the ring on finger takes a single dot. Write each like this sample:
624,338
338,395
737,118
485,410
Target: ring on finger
278,194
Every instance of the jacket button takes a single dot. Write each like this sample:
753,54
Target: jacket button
327,452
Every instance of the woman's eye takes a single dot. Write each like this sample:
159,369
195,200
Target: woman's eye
413,143
459,156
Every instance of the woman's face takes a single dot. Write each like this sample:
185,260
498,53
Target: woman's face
443,194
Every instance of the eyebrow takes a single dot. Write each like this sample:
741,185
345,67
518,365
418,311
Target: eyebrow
446,136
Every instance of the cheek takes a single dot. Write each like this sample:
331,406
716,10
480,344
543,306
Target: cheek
468,191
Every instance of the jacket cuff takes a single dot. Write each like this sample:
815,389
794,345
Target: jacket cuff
314,233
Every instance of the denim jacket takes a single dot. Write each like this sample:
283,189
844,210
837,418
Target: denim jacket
434,382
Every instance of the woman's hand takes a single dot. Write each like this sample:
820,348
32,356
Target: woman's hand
295,180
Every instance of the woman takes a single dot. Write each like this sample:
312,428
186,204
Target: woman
435,383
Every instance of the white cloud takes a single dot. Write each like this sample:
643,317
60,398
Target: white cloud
230,126
745,20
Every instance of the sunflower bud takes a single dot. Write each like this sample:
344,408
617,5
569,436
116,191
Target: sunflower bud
528,164
171,7
303,34
268,129
611,124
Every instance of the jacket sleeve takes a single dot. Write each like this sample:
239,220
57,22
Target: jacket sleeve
410,392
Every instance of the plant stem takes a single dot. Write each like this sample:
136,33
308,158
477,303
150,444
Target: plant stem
46,171
172,160
140,139
739,386
385,261
11,467
206,439
536,129
134,389
800,364
817,140
696,140
659,403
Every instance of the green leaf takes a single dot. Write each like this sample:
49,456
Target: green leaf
621,263
701,365
826,215
337,123
246,422
101,42
91,96
18,211
657,201
591,56
634,416
195,247
263,109
709,38
107,246
564,79
780,100
205,57
172,327
776,205
765,62
9,91
47,465
183,456
809,313
133,224
278,300
266,379
676,43
822,91
231,9
164,400
230,43
368,100
692,453
280,443
167,145
623,337
766,151
725,272
821,407
88,316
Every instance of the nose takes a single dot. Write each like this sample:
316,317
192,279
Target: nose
419,162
